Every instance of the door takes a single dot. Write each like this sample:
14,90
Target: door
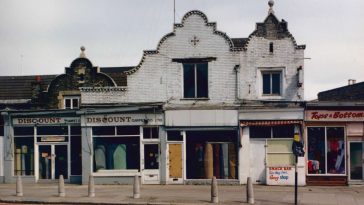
151,164
53,161
258,161
175,163
356,162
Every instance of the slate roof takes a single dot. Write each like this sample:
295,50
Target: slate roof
116,73
353,92
239,42
19,87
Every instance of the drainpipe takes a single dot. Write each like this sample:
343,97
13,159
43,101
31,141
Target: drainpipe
236,69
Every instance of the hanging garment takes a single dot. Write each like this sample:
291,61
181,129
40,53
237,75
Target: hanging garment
208,163
216,151
232,161
119,157
225,160
100,160
110,156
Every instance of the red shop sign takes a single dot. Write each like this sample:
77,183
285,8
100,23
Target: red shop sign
325,115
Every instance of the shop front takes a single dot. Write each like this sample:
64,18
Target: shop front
334,146
267,137
41,147
201,144
119,146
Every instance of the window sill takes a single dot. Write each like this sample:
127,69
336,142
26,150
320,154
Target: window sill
195,98
118,172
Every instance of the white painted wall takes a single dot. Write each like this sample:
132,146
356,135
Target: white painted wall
159,79
257,57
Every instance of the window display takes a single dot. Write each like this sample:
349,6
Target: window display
211,153
23,151
24,156
326,150
116,153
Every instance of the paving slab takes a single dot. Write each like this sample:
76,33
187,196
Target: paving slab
181,194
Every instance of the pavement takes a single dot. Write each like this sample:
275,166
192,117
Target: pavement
181,194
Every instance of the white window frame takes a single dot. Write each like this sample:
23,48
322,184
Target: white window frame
71,98
259,75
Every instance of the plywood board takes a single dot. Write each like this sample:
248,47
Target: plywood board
175,160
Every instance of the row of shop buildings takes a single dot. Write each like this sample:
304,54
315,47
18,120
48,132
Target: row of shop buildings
201,105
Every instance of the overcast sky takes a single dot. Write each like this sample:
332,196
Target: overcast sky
44,36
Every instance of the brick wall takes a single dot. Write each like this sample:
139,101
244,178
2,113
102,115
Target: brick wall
158,79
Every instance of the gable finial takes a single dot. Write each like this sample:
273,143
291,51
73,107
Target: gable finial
82,54
271,4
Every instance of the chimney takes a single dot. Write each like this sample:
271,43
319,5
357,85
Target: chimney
351,81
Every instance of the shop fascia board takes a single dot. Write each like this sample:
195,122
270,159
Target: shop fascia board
272,114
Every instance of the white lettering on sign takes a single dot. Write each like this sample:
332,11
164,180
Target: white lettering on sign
46,121
324,115
123,119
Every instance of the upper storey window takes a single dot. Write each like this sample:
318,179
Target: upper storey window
195,80
71,102
272,82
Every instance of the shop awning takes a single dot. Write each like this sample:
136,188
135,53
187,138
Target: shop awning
269,122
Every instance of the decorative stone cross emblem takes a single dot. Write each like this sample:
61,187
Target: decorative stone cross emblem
195,41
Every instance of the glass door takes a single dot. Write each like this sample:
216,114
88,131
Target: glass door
53,161
150,167
60,161
356,162
45,162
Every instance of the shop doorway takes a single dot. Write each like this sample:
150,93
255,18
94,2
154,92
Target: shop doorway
52,161
356,162
175,163
150,167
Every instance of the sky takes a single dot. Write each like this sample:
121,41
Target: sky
39,37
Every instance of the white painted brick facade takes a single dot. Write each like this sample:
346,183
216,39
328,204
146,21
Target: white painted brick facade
158,79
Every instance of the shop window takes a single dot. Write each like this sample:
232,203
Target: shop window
326,150
103,130
23,156
127,130
211,153
174,136
76,156
24,131
272,82
267,132
150,133
71,102
195,80
151,156
116,153
52,130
